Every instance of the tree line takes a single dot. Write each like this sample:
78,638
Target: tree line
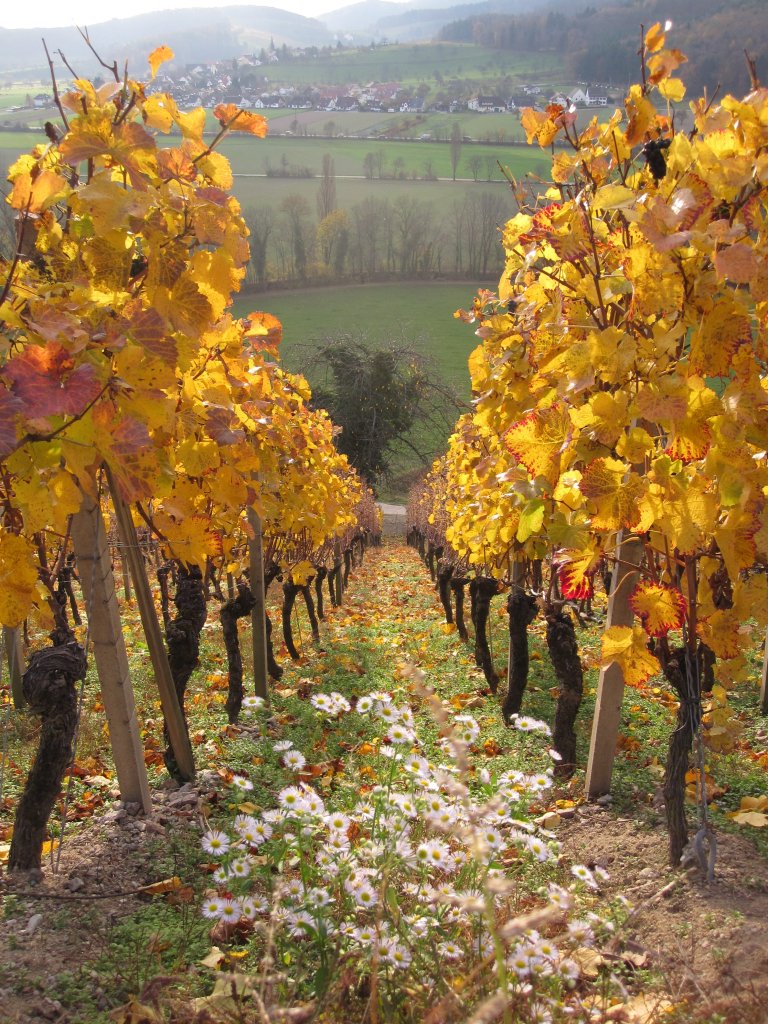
375,238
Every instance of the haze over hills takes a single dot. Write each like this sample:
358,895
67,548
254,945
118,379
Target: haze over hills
195,34
596,39
209,34
419,20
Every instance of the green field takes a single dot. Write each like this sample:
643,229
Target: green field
408,159
415,316
419,316
409,64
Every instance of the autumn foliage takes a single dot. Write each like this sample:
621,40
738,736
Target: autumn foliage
119,348
620,387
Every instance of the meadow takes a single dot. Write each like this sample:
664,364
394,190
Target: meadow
401,158
410,64
416,315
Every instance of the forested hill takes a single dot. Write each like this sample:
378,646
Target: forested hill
601,43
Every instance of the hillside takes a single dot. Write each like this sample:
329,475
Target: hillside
423,19
601,44
194,35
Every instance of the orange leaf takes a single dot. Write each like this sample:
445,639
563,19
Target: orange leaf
229,115
264,330
160,888
654,38
659,608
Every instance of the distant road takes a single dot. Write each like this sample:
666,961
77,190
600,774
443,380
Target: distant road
363,177
391,510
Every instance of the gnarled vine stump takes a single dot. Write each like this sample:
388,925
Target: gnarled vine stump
230,613
481,591
564,653
49,691
522,609
182,634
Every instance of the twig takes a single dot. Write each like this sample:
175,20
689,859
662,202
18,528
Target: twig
110,67
55,84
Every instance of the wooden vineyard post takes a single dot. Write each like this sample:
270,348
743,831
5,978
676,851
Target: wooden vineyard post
764,683
131,556
89,539
14,652
610,687
259,612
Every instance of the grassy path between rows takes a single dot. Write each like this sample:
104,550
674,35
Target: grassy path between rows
392,893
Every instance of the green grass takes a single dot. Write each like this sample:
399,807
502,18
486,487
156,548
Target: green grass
251,156
418,316
255,156
410,64
414,315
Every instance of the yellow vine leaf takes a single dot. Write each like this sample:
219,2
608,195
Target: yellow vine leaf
18,579
539,440
628,647
159,56
613,493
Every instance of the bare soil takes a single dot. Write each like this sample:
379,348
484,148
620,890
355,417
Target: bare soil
709,940
63,919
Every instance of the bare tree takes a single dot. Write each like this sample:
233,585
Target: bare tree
326,193
261,223
455,147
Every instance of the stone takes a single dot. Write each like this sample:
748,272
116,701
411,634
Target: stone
74,884
50,1009
118,815
33,924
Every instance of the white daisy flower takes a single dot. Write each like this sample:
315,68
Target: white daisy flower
365,896
240,868
338,822
583,874
397,954
450,950
253,703
318,897
538,848
216,842
229,910
294,760
212,907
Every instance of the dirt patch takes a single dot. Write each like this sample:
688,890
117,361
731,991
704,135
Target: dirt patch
61,924
708,939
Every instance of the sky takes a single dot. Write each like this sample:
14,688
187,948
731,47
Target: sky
53,13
